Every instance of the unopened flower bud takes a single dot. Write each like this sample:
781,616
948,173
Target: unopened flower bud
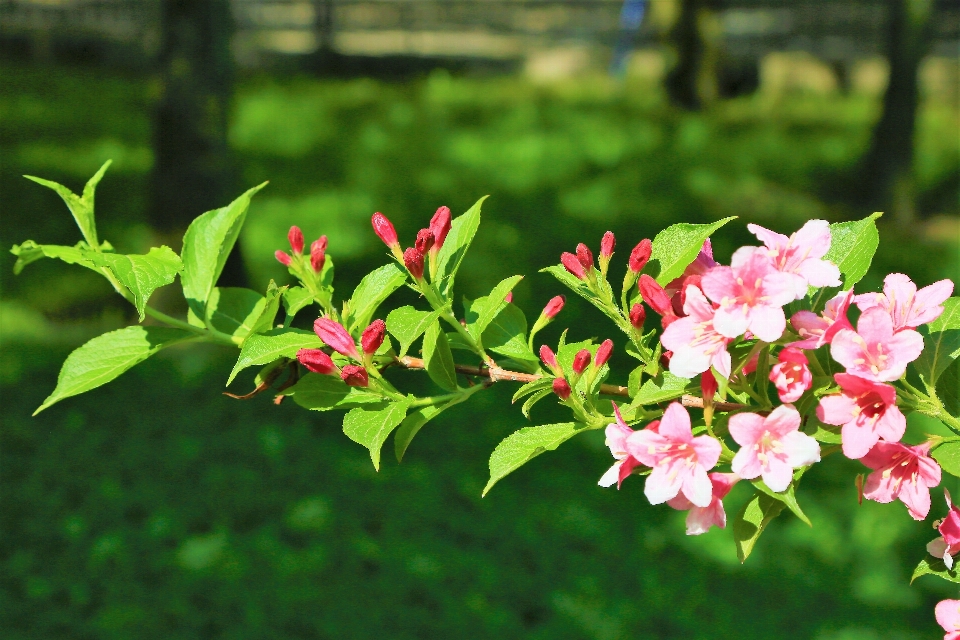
549,359
509,297
581,361
607,244
384,230
603,353
554,306
572,264
295,236
283,258
708,386
413,260
640,255
637,315
665,359
334,334
654,295
372,336
316,360
320,244
354,375
425,241
440,225
562,388
318,254
585,256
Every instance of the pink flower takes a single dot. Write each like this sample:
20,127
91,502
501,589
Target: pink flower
908,308
425,241
282,257
440,225
948,617
562,388
553,307
695,343
413,261
354,376
384,230
549,359
817,331
700,519
318,253
867,410
791,375
617,434
372,336
316,360
948,544
904,472
572,264
607,243
295,237
873,351
581,361
799,256
771,446
751,296
603,353
640,255
637,315
680,462
333,334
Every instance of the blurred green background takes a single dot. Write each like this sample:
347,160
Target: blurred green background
155,507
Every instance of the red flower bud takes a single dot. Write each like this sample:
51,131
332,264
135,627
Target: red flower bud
413,260
354,375
333,334
372,336
654,295
425,240
562,388
283,258
384,230
603,353
295,236
316,360
554,307
581,361
320,243
572,264
607,244
708,385
637,316
318,253
440,225
640,255
665,359
508,297
549,359
585,256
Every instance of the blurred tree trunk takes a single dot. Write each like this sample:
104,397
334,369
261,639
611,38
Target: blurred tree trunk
692,82
193,171
887,167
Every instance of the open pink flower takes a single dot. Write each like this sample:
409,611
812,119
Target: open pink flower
751,296
694,341
799,256
948,544
700,519
948,617
868,412
904,472
772,446
874,351
817,331
680,462
617,434
791,375
908,308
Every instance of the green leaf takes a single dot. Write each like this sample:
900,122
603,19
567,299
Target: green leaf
663,388
941,344
507,335
80,206
264,348
852,245
532,387
322,393
407,324
438,358
234,310
371,427
206,246
107,356
141,274
678,245
948,456
534,399
295,299
271,305
412,424
825,435
29,251
525,445
752,520
375,287
633,382
935,567
786,497
948,389
483,310
455,246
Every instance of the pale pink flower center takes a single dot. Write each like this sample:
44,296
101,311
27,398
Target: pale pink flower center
788,255
793,372
874,358
706,339
676,456
767,445
747,295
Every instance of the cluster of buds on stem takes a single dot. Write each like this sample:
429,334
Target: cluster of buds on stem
335,336
306,267
425,249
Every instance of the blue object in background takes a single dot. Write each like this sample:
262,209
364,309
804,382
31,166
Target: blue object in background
631,17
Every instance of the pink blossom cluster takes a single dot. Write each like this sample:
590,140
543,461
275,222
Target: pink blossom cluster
334,335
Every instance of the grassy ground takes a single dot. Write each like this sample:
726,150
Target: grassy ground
155,507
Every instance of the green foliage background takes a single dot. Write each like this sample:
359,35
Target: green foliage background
155,507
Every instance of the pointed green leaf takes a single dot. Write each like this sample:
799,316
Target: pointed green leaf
483,310
371,427
941,344
107,356
141,274
412,424
80,206
264,348
948,456
752,520
662,388
30,251
206,246
375,287
407,324
678,245
534,399
948,388
295,299
786,497
271,305
507,335
936,567
455,247
234,310
438,358
526,444
322,393
852,245
532,387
